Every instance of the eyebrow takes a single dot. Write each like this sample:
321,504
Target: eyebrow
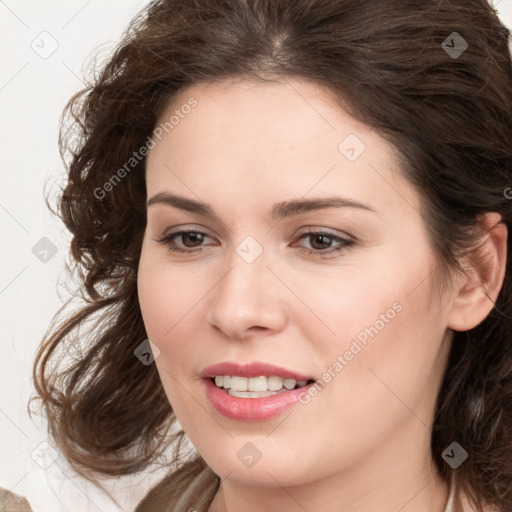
279,210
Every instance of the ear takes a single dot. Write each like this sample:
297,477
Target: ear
476,293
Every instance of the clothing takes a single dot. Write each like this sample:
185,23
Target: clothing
197,497
11,502
199,494
451,497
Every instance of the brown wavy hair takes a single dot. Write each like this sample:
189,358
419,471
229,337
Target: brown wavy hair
448,117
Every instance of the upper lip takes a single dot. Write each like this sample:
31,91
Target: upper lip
253,369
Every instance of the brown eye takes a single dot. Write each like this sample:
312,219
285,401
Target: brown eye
189,240
193,237
321,242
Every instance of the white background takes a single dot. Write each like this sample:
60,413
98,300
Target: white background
33,92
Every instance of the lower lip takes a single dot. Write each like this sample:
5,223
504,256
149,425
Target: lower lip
252,409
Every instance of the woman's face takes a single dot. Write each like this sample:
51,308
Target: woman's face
257,288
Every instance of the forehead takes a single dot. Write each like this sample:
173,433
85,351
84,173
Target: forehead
259,139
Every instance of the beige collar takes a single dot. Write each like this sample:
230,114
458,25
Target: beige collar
451,497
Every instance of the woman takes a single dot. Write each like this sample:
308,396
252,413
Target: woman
291,221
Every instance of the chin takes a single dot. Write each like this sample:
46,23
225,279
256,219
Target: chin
261,474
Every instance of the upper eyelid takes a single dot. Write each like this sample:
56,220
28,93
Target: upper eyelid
303,230
307,230
185,229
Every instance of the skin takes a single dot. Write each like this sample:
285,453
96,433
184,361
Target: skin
363,443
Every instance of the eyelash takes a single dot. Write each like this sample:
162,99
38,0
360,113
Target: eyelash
345,243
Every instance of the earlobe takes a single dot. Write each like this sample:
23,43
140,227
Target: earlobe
477,292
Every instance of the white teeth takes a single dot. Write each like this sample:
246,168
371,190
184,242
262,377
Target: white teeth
275,383
258,385
239,383
252,394
289,383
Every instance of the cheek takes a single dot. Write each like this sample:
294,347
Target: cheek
357,303
168,297
172,302
382,327
392,354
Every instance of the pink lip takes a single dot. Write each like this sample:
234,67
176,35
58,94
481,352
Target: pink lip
251,370
251,409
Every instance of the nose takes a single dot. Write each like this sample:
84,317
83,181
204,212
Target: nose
249,299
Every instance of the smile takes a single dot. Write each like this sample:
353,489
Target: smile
252,405
256,387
